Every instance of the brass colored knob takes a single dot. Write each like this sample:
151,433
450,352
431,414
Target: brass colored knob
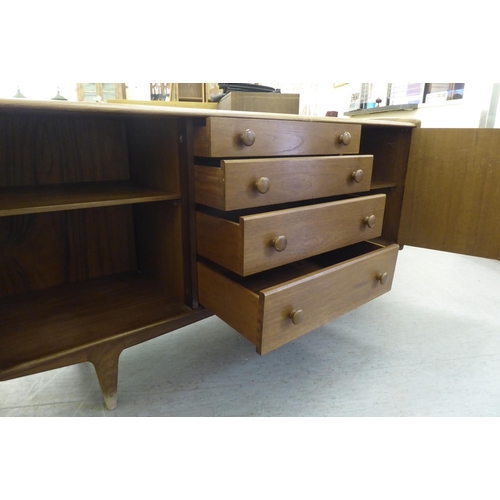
370,221
297,315
263,185
279,243
248,137
357,176
345,138
382,277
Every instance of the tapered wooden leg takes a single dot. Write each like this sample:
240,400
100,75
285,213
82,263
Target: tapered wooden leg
105,361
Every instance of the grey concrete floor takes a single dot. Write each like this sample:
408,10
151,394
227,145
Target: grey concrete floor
430,347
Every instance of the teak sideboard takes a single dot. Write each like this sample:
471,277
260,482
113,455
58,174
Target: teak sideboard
120,223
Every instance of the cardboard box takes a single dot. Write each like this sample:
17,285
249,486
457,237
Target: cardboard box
265,102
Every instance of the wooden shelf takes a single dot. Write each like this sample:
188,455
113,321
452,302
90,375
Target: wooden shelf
42,326
53,198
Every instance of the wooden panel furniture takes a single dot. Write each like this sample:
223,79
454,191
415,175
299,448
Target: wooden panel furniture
167,104
268,102
95,241
452,199
119,223
281,234
266,240
222,137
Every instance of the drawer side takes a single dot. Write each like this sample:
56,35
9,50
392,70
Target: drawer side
220,240
235,304
210,186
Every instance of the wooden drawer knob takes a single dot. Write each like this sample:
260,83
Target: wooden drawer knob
357,176
297,315
263,185
279,243
370,221
345,138
248,137
382,278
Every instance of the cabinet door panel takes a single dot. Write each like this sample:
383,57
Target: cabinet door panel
452,193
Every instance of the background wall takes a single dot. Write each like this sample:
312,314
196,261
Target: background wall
470,112
315,100
48,90
37,90
464,113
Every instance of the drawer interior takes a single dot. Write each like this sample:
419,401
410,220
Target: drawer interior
260,307
277,276
234,215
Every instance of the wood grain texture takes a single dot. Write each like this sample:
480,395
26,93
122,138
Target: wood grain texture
188,212
83,276
153,147
44,250
86,109
323,287
43,149
233,185
53,198
158,237
390,148
73,208
261,101
452,196
235,304
247,248
220,240
220,137
105,357
210,186
323,296
52,323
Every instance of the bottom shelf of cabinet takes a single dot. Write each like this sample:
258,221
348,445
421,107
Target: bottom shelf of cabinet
50,328
275,307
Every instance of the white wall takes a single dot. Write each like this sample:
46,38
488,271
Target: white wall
318,98
464,113
138,91
48,90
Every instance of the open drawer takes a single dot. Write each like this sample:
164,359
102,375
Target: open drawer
257,182
277,306
262,241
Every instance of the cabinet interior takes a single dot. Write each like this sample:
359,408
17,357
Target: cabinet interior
91,233
390,147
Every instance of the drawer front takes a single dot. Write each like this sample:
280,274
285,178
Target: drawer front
240,137
274,316
318,299
239,184
264,241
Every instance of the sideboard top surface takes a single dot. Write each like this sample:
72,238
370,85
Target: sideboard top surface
138,109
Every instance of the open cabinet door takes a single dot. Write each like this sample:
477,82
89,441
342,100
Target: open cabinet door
452,193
